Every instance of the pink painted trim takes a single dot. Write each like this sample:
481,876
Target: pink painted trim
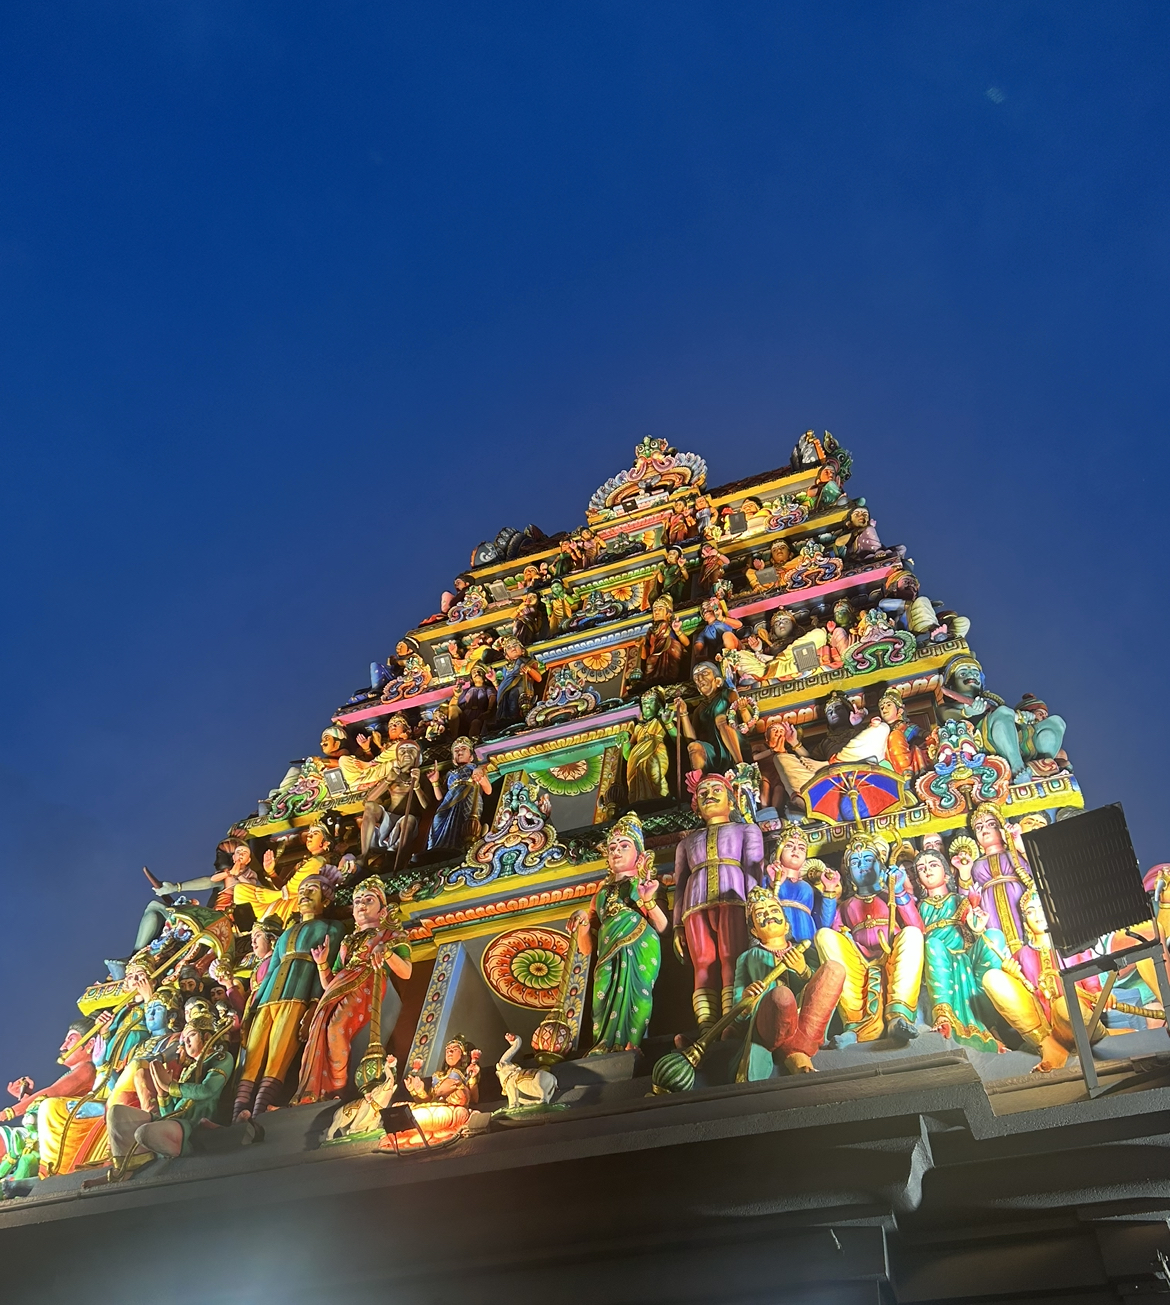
795,597
389,708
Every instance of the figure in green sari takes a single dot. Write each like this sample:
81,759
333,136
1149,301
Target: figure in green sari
956,959
622,925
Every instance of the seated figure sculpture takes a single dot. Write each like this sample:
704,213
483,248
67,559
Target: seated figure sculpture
789,1012
441,1110
71,1131
185,1097
1028,738
879,941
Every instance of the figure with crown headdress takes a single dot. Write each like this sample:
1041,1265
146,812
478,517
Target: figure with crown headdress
645,750
186,1093
456,824
807,907
440,1109
714,867
880,943
1001,875
626,920
789,1011
354,989
904,751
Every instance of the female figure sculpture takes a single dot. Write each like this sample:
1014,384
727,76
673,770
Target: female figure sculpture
953,968
441,1110
647,758
626,919
353,988
456,824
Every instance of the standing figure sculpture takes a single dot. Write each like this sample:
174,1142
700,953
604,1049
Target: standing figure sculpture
714,868
352,992
517,683
291,986
805,908
954,967
1001,874
456,824
663,645
645,751
626,920
880,944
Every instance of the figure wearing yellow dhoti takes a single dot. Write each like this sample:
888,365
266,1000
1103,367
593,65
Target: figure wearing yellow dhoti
282,902
875,988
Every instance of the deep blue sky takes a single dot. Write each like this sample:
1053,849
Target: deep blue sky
300,302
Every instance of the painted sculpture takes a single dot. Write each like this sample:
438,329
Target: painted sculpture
714,869
622,929
441,1108
758,643
291,986
789,1011
879,943
352,992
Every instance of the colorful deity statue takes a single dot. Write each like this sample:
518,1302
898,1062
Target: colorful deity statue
71,1132
714,868
529,619
904,752
352,992
456,824
441,1109
713,742
303,787
716,630
517,683
645,751
291,986
670,580
475,703
710,571
879,941
414,676
789,1011
1028,738
389,820
1001,874
282,902
1027,990
663,646
19,1156
626,920
806,908
561,606
955,961
186,1092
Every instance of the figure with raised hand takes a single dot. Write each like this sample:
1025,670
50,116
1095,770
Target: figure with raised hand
456,824
353,992
626,920
291,986
880,944
956,960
